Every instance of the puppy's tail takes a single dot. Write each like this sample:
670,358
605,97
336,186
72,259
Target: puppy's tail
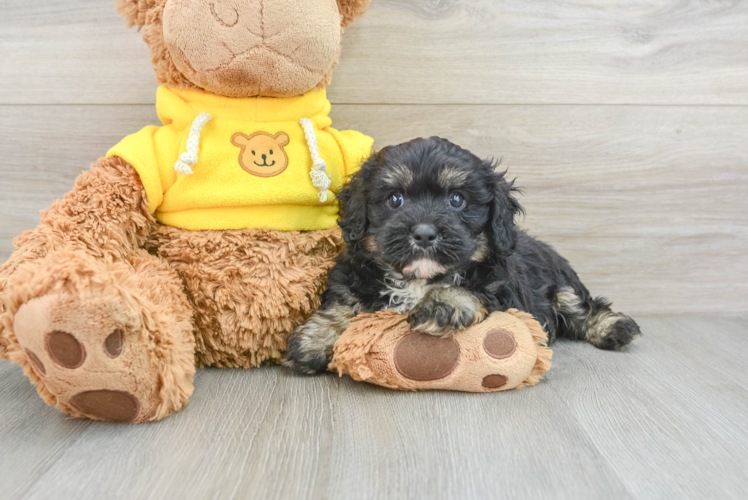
592,320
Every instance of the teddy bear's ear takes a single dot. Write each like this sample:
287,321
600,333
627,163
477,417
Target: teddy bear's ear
351,9
135,12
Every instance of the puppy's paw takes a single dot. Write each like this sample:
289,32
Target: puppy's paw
618,334
310,345
304,355
444,311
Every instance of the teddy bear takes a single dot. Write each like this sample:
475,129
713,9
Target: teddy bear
201,242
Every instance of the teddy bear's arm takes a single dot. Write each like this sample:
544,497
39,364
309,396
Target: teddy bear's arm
106,215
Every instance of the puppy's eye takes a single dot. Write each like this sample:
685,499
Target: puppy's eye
253,152
456,201
271,151
395,200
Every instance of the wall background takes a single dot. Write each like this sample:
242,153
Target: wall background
625,122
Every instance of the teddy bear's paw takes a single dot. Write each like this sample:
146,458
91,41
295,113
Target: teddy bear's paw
498,354
91,355
499,344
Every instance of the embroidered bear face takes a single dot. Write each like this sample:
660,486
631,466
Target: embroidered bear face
262,154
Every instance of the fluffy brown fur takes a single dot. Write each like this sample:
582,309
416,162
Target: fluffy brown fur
87,246
248,288
99,264
106,215
351,9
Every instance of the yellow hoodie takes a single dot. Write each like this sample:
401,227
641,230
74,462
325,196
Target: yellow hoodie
230,184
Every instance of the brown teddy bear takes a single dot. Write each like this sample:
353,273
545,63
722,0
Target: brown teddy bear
203,242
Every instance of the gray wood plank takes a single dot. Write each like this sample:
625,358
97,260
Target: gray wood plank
454,445
44,148
665,419
245,434
269,434
33,436
671,414
421,51
648,203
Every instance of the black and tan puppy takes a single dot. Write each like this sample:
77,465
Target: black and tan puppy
430,231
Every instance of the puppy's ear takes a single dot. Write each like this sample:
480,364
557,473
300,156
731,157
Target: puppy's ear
135,12
351,9
504,209
354,202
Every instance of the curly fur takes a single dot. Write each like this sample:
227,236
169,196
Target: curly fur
477,251
248,288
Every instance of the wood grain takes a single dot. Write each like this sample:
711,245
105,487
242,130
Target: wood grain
682,409
648,203
423,51
32,438
657,421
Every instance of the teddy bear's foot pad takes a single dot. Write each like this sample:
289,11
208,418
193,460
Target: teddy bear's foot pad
90,356
505,351
114,406
423,357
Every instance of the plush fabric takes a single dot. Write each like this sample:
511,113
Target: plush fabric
210,42
248,288
140,296
221,194
506,351
351,9
108,309
180,30
99,262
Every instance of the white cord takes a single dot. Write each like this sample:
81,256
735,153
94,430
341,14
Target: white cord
320,178
188,159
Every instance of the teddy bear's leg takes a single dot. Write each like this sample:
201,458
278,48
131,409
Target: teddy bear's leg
101,326
507,350
108,341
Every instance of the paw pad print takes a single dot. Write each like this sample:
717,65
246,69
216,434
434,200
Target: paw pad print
65,350
424,358
82,354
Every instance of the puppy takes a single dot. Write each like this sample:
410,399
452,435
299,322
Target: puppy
430,232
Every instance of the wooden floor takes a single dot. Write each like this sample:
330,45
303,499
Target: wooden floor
667,419
627,125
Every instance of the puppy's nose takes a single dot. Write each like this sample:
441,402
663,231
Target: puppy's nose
424,235
264,156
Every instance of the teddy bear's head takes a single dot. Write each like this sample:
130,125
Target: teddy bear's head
243,48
